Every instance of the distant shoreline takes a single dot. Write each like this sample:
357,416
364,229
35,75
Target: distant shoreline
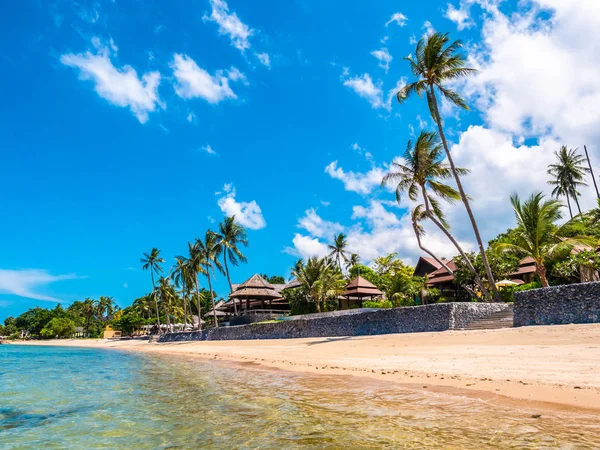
555,367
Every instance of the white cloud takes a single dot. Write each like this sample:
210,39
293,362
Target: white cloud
247,214
27,282
191,117
318,227
429,29
229,24
363,85
264,59
362,183
375,232
460,16
384,58
121,87
362,151
193,81
208,149
398,18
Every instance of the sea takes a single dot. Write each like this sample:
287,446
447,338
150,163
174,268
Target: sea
77,398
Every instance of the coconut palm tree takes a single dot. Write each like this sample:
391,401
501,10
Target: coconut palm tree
569,174
338,249
421,172
88,309
321,279
209,251
352,261
182,276
152,261
231,235
106,307
196,268
437,62
538,236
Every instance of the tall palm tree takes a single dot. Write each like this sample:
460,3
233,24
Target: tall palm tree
182,277
209,251
421,173
165,297
569,174
88,309
152,261
231,235
321,279
338,249
538,236
106,307
437,62
196,268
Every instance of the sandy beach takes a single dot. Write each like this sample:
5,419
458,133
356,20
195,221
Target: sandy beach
553,367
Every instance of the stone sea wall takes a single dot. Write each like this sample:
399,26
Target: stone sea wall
363,322
573,303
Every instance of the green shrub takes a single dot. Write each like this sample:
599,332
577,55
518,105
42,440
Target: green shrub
377,304
507,293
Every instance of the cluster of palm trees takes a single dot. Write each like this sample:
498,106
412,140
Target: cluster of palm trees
206,256
90,309
427,165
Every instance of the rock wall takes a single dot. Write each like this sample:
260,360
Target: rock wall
573,303
414,319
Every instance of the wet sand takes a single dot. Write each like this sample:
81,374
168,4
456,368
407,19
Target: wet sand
557,367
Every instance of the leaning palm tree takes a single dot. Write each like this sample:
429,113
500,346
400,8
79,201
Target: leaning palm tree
417,216
569,174
338,249
209,251
321,279
152,261
421,174
231,236
437,62
538,237
196,268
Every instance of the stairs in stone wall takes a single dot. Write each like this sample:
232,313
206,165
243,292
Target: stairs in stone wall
501,319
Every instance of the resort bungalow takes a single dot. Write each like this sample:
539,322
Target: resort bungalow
356,291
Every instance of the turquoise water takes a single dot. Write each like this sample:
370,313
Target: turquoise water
53,397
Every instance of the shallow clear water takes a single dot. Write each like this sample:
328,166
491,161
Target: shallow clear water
52,397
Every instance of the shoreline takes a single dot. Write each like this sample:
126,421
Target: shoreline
549,367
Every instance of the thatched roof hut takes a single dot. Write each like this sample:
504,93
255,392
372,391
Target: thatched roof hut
358,289
255,291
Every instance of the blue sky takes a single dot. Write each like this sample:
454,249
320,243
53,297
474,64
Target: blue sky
131,125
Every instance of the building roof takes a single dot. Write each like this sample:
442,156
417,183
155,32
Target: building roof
255,287
359,287
426,265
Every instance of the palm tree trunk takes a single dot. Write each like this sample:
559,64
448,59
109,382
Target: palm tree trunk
463,196
198,304
591,171
184,294
212,297
444,230
569,204
155,302
540,269
229,281
577,203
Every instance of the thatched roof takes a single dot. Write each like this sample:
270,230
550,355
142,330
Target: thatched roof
359,287
255,288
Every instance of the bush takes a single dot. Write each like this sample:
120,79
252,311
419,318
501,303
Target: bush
507,293
377,304
58,327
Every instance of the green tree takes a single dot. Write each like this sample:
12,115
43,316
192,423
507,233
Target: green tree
152,261
584,265
421,173
106,307
230,237
129,321
569,174
60,327
321,280
209,251
436,63
88,310
538,236
338,249
196,264
183,277
275,279
353,260
502,265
